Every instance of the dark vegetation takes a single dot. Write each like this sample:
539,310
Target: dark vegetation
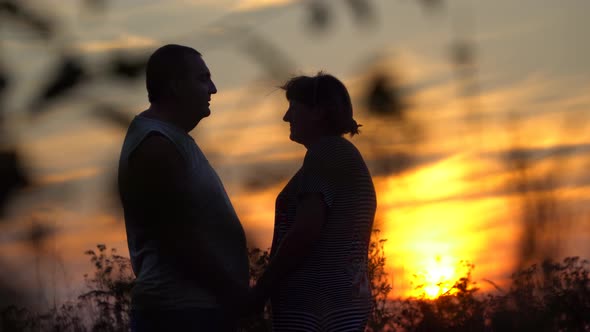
551,296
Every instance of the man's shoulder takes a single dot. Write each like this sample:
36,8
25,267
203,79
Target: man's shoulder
156,152
155,144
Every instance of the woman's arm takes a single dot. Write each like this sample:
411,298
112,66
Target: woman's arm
309,220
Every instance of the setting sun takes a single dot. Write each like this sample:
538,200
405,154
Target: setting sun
436,278
427,241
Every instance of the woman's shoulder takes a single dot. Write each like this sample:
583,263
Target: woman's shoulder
332,148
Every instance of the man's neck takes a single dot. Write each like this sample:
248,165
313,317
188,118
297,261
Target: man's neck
164,114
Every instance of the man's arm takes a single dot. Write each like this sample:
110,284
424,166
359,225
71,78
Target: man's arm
294,248
160,176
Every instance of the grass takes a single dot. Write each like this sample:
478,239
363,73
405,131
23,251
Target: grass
550,296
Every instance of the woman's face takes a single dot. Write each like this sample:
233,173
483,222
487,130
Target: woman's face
304,122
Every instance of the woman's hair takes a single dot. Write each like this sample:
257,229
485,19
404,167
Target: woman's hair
325,91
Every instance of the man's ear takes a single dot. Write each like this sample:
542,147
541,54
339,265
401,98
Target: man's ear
175,88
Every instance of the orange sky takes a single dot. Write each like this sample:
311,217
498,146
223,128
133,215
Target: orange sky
454,201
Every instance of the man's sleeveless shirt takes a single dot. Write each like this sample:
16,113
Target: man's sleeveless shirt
158,284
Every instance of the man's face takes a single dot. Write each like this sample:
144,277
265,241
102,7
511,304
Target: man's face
196,91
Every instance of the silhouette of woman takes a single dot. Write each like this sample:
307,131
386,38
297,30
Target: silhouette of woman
317,277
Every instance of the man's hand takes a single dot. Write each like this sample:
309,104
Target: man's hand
240,304
257,301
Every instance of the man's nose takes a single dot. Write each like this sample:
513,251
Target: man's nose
212,88
286,117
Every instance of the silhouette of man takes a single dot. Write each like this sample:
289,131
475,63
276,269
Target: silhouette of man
187,246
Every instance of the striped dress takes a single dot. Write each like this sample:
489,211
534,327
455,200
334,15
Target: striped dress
330,290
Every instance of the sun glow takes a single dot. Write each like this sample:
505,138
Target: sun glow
428,239
437,278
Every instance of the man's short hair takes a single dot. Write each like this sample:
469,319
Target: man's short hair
167,64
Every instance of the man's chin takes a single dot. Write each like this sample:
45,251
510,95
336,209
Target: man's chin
206,113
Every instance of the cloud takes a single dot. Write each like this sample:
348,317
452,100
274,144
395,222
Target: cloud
123,42
488,176
536,154
73,175
250,5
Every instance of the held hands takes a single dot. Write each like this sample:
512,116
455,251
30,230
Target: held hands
252,316
257,300
249,302
253,303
